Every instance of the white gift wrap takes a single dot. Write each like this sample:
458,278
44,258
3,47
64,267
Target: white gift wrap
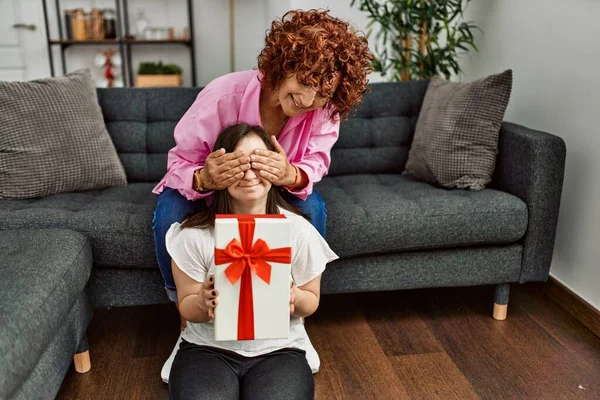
270,301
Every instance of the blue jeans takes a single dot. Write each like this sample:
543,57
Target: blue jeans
173,207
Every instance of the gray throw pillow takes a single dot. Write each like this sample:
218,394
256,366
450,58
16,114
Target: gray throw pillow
456,137
53,138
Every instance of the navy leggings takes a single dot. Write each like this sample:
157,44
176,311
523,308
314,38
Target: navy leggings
173,207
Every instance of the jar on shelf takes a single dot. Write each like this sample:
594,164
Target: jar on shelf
79,24
69,24
141,25
110,24
96,24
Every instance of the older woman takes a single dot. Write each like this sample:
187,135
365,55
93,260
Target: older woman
311,73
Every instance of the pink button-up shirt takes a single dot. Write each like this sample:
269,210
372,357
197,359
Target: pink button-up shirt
306,138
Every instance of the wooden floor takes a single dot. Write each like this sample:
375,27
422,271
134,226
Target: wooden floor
420,344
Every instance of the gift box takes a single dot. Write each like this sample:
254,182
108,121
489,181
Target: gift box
252,275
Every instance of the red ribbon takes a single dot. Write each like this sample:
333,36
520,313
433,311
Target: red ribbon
246,257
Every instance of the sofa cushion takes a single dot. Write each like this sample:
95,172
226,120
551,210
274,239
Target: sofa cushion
382,213
53,138
43,273
117,221
456,138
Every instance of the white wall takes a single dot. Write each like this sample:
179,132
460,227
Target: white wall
552,47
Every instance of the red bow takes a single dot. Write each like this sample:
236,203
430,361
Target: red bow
244,258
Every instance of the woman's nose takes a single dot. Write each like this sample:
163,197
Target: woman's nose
308,97
250,174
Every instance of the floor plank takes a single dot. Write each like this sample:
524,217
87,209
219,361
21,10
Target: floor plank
353,365
397,325
432,376
515,358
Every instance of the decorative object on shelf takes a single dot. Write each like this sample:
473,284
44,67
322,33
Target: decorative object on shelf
96,24
153,33
110,24
69,23
141,25
79,24
158,75
418,39
110,60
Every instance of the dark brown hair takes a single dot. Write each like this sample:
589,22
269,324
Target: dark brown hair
228,139
314,45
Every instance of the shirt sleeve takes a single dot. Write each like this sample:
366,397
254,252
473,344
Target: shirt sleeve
184,247
195,136
310,253
317,157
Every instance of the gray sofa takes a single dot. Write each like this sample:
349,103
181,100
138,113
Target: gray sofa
45,310
390,231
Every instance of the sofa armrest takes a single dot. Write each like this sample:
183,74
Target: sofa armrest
531,166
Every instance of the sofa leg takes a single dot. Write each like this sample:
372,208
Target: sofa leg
81,359
501,301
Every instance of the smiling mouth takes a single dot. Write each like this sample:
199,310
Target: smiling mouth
248,186
295,103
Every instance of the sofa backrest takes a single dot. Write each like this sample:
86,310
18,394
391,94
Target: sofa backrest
376,139
141,124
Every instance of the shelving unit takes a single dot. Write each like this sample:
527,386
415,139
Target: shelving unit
123,40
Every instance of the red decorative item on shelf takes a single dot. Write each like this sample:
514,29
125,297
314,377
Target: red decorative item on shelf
108,67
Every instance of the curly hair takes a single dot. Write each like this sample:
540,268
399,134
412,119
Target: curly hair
315,46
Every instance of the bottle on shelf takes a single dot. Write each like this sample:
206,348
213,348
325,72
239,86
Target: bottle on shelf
141,25
110,24
69,24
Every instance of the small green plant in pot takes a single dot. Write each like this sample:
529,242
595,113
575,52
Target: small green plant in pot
152,74
418,39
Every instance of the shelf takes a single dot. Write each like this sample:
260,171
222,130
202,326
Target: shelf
87,41
118,41
157,41
125,40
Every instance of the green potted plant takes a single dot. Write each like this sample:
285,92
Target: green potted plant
418,39
151,74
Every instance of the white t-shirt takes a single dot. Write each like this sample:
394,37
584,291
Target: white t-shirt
193,249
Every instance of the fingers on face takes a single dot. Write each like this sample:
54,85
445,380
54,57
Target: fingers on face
264,167
273,161
264,153
268,176
238,166
239,157
230,181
